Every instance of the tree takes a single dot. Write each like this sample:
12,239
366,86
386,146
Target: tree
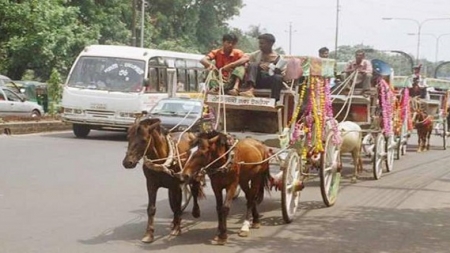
54,90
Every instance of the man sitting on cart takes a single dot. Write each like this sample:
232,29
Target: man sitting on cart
364,74
225,58
418,89
261,70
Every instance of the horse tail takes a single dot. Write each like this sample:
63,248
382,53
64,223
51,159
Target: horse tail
266,180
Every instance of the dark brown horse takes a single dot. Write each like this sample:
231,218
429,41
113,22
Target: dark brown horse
247,167
424,126
162,160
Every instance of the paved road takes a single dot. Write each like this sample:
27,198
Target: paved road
61,194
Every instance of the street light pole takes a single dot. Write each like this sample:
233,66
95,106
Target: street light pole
419,29
437,39
133,23
336,36
437,45
142,22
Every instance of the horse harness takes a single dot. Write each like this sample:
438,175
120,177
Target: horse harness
226,167
169,160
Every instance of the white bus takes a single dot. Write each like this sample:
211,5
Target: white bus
109,85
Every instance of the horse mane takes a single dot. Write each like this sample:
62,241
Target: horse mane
149,121
211,134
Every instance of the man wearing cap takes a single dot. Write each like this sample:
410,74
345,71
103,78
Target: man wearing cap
261,71
364,68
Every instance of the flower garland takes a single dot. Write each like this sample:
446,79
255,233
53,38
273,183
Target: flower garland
329,114
386,105
406,109
299,106
315,115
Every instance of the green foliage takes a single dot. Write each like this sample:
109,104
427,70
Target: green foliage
54,89
44,34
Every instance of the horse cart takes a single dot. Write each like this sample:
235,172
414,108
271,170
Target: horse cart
301,134
402,113
435,106
373,112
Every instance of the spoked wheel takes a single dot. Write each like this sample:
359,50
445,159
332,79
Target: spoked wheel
444,133
330,177
379,155
290,190
398,147
390,151
186,196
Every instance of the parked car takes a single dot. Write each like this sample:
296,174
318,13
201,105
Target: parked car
33,91
4,80
178,113
12,104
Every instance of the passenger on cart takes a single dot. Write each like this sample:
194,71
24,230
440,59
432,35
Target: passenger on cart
226,58
364,68
324,52
418,90
262,70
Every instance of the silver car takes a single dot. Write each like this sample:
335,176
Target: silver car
11,104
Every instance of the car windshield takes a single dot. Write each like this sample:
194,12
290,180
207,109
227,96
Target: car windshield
177,108
108,73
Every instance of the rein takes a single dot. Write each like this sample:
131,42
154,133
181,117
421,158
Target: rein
206,169
169,160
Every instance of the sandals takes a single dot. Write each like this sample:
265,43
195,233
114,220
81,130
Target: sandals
214,91
233,92
247,94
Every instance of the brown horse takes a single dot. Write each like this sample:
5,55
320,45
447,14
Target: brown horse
148,138
248,168
424,125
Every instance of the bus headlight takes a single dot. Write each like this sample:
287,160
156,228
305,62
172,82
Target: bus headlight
77,111
68,110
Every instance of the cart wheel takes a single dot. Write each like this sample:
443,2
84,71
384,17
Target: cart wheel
186,196
398,147
390,149
290,190
330,177
444,134
378,156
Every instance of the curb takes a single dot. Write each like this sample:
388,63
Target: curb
17,128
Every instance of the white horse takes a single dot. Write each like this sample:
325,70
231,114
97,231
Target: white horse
351,143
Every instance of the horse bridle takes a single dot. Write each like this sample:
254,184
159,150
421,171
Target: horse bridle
225,167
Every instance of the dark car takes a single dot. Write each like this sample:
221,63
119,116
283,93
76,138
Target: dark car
178,114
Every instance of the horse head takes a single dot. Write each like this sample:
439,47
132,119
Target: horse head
211,148
140,138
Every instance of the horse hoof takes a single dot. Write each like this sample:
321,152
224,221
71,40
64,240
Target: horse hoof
175,232
353,180
196,212
244,233
256,225
147,239
219,241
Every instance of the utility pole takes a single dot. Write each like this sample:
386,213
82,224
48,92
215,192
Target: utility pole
336,38
290,38
133,23
142,22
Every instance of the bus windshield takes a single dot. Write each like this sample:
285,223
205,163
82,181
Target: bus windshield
108,73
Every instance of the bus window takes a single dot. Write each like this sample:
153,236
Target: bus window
193,84
162,80
182,80
107,73
158,80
